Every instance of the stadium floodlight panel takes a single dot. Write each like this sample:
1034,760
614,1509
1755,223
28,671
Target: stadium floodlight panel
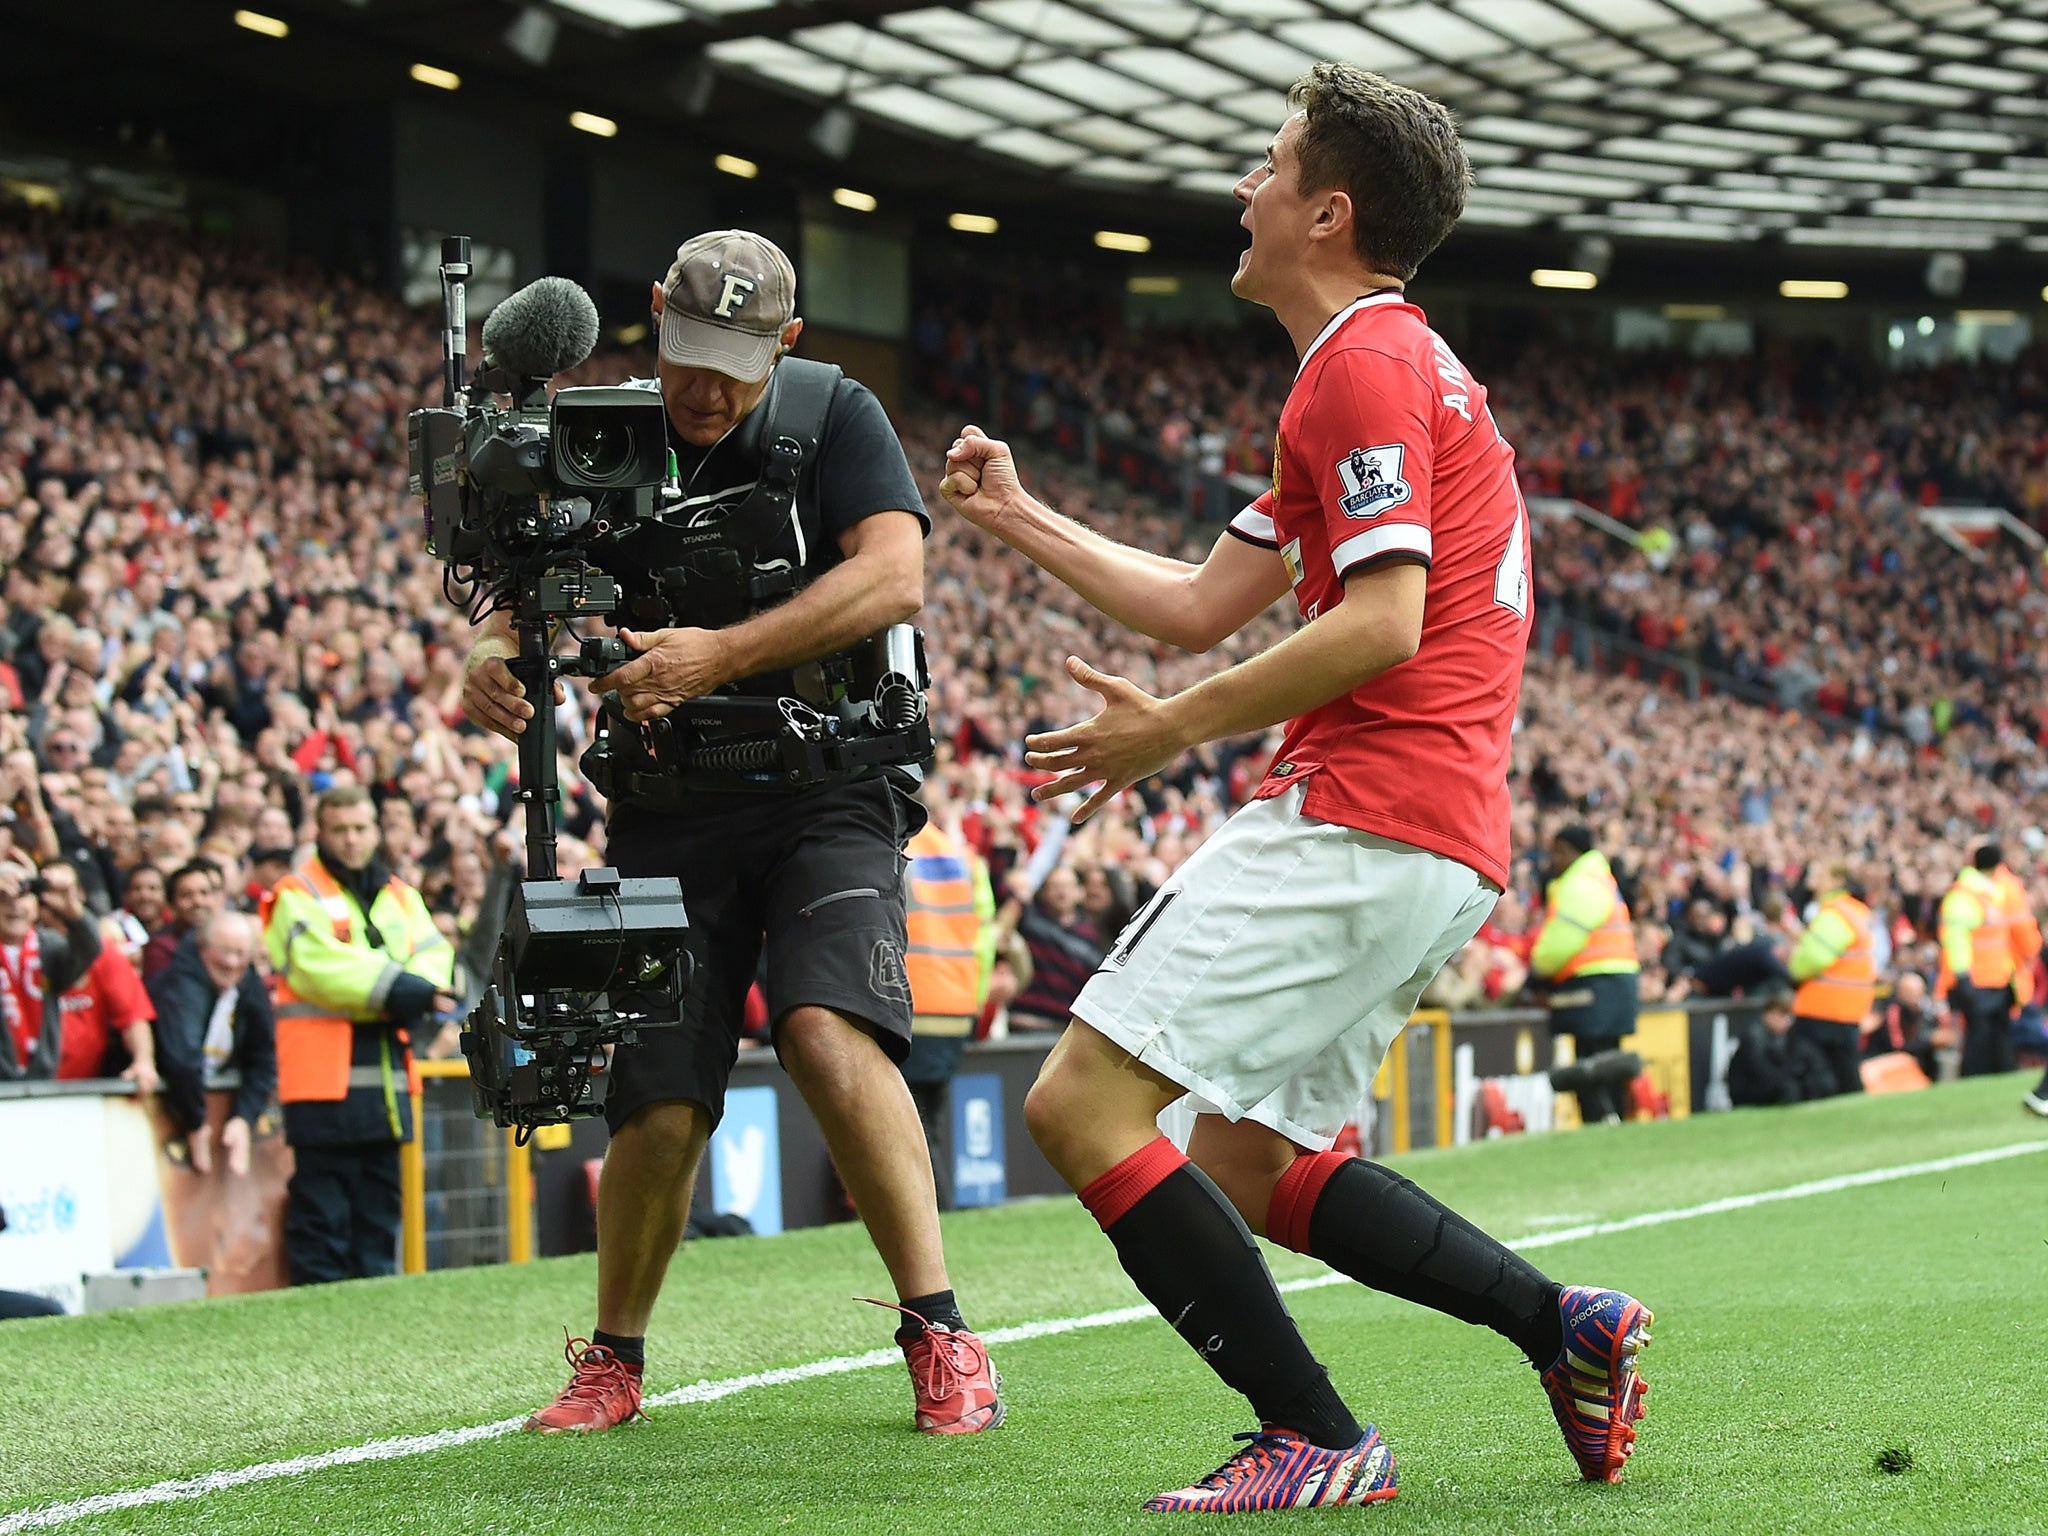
256,21
859,202
590,122
1119,240
737,165
628,15
440,79
532,35
972,223
1813,288
1563,277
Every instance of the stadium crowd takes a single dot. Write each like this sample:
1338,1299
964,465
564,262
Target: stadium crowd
215,606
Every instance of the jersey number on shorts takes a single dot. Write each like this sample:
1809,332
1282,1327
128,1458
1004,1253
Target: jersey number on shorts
1142,925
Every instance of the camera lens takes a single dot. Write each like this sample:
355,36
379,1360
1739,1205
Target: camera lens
597,450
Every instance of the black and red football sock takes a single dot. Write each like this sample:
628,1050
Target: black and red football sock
1368,1222
1195,1260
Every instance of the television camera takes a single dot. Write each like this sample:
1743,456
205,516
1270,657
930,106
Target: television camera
517,497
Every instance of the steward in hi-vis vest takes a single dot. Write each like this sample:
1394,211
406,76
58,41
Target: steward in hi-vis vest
951,909
358,964
2023,931
1982,953
1835,965
1586,950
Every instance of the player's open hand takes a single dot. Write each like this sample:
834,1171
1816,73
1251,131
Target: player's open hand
981,478
1130,738
674,666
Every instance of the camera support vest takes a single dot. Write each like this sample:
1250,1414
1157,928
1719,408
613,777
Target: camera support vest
712,573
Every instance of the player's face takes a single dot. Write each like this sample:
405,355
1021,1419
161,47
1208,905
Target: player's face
1276,214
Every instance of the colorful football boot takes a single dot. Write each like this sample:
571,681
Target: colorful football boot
1593,1386
1277,1469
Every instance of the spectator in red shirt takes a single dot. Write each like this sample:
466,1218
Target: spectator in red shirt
37,963
107,1002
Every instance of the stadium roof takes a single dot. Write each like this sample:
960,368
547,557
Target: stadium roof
1705,135
1911,124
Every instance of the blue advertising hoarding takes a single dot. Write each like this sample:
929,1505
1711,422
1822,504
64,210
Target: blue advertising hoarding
978,1169
746,1160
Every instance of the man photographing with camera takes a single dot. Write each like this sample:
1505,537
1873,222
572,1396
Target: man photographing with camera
723,597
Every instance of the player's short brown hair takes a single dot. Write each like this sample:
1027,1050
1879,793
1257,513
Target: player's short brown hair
1393,151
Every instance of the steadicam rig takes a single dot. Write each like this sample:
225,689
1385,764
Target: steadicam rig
514,497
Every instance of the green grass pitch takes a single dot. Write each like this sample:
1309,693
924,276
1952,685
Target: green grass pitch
1868,1359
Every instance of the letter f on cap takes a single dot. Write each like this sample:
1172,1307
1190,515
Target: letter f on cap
732,293
726,300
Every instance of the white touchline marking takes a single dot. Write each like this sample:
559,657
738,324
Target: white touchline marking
177,1490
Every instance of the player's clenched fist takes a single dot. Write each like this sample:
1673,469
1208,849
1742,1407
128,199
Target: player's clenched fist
981,478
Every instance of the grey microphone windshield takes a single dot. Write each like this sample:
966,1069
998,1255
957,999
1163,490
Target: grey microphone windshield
545,327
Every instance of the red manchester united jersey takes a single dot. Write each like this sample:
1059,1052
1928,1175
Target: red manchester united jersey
1388,452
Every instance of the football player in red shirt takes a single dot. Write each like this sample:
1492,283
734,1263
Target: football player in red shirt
1266,979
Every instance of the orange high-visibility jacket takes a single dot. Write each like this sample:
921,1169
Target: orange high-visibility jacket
1840,943
1976,935
327,976
1586,929
950,910
2024,930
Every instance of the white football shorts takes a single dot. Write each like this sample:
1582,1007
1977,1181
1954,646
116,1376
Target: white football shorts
1271,973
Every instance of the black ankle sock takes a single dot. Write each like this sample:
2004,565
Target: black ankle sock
1318,1413
939,1310
1197,1262
1378,1228
631,1351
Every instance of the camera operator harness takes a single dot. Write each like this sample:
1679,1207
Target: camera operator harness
827,721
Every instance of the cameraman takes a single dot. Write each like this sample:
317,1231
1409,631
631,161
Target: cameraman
816,870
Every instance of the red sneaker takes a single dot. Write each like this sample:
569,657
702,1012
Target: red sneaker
958,1391
603,1394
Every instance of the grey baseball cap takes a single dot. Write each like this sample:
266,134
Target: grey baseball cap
725,300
